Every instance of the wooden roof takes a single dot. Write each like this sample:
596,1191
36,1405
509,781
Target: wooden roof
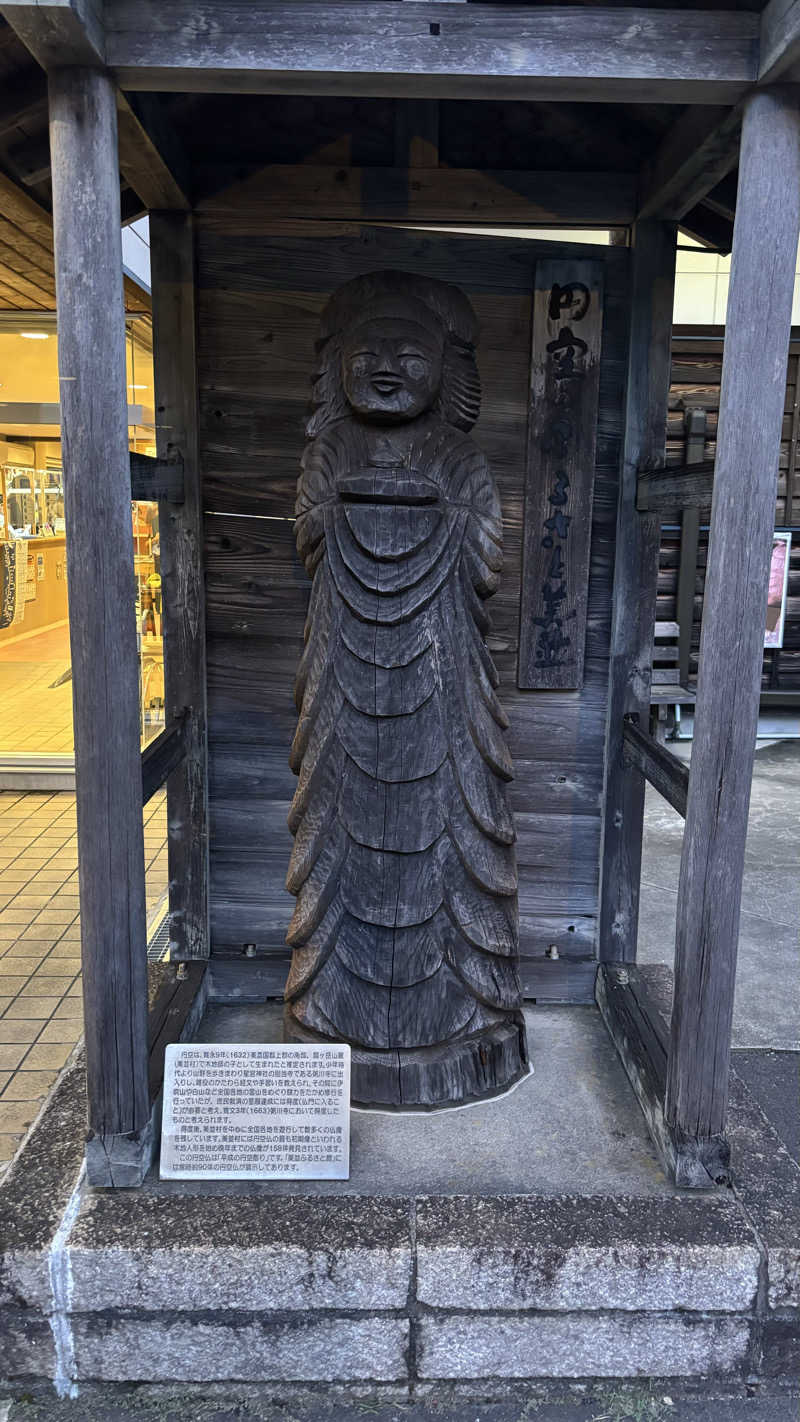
488,154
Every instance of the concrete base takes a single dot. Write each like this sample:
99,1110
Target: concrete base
534,1237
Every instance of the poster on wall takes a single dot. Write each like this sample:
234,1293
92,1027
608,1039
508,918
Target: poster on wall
778,586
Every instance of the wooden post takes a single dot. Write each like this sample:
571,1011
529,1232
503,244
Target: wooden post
183,601
97,492
690,540
732,638
635,584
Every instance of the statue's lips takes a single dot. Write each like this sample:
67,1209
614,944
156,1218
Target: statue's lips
387,487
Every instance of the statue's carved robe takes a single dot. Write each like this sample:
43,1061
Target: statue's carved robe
405,929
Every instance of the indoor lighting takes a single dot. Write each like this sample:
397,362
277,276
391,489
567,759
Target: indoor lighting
35,335
137,387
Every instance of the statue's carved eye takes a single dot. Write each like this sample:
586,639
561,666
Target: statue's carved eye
414,364
360,362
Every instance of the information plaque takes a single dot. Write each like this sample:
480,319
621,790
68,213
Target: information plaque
240,1111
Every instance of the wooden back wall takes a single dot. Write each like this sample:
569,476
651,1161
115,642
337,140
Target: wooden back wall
261,287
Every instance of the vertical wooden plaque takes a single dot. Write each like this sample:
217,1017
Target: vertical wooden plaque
559,476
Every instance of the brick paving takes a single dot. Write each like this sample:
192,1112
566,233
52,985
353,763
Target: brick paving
41,1009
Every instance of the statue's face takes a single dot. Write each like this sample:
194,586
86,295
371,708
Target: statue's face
391,369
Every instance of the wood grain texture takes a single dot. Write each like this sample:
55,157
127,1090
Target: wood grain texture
161,756
61,32
731,647
640,1034
668,774
635,584
579,53
431,194
181,527
94,432
405,931
694,155
260,293
151,159
559,475
662,491
779,47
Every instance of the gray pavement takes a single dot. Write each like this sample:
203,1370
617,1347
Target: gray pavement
644,1403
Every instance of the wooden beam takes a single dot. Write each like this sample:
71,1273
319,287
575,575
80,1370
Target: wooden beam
665,772
640,1035
423,50
181,528
779,40
24,97
59,32
157,478
151,157
105,663
507,198
700,148
178,998
635,581
681,486
732,639
706,226
163,755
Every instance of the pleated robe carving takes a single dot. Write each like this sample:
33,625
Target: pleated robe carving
405,931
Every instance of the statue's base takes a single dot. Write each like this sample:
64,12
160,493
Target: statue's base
433,1078
532,1237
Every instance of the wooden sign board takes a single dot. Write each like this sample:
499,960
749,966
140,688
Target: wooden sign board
559,477
244,1111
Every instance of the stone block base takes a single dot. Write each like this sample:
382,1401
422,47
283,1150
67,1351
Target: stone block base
248,1284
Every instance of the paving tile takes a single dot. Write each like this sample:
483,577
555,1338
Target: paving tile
12,966
11,1054
9,932
48,986
8,1147
5,1077
24,948
26,1085
18,1029
53,1055
33,1007
56,966
59,1030
55,916
17,1115
14,983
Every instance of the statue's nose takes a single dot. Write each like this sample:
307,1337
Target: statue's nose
387,364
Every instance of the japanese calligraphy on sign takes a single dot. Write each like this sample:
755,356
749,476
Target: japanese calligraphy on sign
277,1111
562,428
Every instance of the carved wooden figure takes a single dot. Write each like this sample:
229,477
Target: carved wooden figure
405,932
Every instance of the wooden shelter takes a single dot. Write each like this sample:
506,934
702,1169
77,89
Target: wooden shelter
280,150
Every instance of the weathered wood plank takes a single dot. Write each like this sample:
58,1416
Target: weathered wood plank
162,756
660,491
59,32
779,48
666,773
175,370
732,638
260,294
94,432
559,477
153,478
151,157
640,1034
236,977
430,194
178,994
635,583
579,53
699,150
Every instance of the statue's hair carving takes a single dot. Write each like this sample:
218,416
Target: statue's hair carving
459,398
